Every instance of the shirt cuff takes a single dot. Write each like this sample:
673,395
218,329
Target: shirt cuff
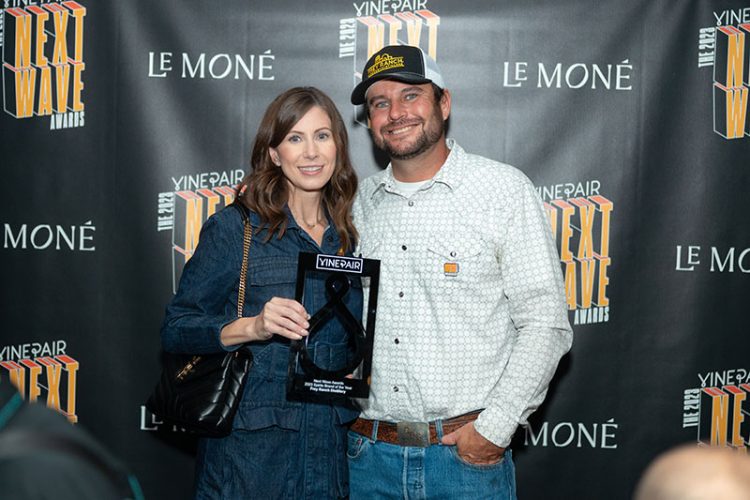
226,348
496,427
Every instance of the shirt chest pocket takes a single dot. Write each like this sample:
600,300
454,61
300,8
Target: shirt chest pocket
269,277
452,265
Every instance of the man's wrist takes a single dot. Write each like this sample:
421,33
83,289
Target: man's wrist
492,433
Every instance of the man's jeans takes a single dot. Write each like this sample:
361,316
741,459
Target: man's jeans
382,470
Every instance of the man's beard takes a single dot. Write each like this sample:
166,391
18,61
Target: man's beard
429,136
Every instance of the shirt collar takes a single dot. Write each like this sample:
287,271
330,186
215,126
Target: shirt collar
449,173
290,222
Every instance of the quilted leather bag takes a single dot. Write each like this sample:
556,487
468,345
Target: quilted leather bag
202,392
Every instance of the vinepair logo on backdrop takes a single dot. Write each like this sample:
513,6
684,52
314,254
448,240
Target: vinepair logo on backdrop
43,61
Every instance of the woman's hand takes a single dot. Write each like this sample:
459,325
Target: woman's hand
283,317
279,316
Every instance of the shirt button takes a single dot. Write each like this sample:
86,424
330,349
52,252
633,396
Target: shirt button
395,341
403,247
395,388
411,203
329,239
400,294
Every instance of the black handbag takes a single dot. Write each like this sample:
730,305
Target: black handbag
202,392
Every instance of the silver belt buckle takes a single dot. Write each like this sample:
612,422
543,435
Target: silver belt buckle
413,434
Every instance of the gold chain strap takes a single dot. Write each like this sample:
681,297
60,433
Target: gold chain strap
247,238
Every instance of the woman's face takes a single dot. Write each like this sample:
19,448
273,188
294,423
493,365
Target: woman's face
307,154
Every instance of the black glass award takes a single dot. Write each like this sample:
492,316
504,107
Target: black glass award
315,374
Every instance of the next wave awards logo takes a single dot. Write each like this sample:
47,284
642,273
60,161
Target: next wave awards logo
726,47
717,410
43,61
580,218
42,372
183,211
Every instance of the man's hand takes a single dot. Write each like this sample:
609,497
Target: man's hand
472,446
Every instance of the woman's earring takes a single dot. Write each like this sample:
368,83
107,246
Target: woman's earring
274,157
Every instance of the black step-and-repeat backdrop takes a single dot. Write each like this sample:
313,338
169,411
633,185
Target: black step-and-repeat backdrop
125,125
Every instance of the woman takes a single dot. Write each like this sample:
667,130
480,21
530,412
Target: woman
299,195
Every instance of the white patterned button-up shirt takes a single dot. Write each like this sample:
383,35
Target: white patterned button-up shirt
471,306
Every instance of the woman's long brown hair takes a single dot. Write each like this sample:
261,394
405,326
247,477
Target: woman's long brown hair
264,190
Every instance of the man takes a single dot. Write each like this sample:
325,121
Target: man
471,316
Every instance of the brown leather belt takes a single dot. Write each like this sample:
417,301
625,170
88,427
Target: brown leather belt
419,434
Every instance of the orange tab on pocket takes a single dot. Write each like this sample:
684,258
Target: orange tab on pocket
450,268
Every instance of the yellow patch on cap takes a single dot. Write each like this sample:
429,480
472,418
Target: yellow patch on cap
383,62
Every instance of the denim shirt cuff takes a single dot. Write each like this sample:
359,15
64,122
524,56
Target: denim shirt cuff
226,348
